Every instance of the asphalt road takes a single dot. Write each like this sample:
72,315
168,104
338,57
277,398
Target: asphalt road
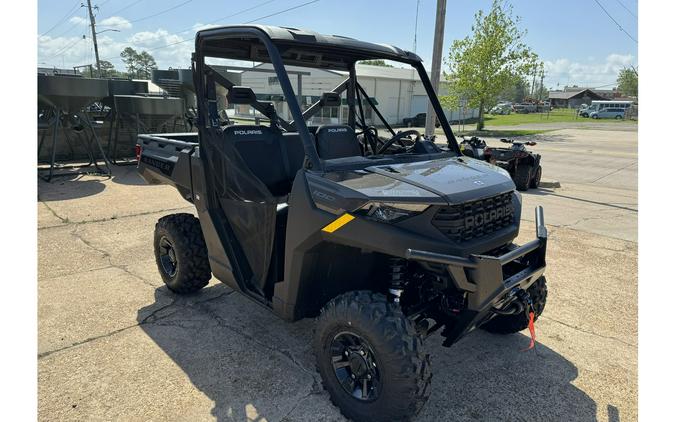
114,344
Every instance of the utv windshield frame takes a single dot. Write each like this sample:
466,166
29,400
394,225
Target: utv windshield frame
289,46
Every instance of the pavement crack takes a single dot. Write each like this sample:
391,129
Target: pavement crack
144,321
589,332
285,353
112,218
298,402
63,220
615,171
108,256
90,339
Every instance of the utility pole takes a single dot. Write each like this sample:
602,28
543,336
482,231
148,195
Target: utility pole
541,83
93,37
436,64
534,76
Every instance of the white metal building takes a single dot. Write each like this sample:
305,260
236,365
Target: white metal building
397,93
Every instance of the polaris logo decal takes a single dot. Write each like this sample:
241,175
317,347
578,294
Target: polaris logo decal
337,130
488,217
248,132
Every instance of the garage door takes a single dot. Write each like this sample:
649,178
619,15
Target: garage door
419,104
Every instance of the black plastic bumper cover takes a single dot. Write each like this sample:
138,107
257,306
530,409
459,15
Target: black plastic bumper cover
490,281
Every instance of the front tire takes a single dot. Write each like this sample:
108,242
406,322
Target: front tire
509,324
180,253
361,336
523,176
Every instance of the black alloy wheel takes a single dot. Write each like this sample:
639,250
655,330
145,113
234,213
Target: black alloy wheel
167,257
355,366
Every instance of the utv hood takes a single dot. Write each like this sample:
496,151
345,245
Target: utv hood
455,180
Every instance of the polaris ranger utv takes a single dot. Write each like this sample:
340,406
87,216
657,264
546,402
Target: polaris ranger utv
384,239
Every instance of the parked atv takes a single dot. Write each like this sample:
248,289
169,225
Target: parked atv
475,147
382,240
523,166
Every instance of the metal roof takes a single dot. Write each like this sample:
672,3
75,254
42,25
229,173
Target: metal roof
566,95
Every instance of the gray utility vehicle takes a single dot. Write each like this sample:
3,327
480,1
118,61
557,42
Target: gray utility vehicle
384,239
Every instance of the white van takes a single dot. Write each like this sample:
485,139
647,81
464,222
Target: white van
600,105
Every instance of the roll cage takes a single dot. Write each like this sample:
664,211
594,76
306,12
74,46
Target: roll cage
289,46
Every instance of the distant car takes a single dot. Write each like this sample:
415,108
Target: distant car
419,120
525,108
608,113
501,109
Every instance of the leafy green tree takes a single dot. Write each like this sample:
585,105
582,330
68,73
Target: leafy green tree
139,65
107,69
488,61
515,91
628,82
377,62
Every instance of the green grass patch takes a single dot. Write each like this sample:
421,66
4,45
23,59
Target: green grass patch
555,116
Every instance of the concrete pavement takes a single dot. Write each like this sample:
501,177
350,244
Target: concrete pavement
114,344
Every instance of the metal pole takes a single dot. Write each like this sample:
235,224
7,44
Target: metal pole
436,64
93,36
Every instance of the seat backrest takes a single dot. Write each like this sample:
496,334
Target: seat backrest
295,152
336,141
259,147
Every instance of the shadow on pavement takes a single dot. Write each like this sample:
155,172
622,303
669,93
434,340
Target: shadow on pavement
251,363
127,175
69,187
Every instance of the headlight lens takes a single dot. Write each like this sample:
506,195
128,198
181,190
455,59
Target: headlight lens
390,212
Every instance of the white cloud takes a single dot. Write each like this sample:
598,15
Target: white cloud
200,26
591,73
79,20
115,22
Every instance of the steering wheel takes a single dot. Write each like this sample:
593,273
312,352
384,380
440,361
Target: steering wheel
397,138
370,137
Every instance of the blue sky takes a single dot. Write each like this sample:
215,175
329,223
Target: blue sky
579,43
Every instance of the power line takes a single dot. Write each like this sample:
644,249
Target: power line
61,50
70,13
251,21
614,20
161,12
284,11
627,9
128,6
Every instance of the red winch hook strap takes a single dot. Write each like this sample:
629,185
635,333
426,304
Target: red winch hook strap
533,337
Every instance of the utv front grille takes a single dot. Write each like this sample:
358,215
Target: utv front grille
475,219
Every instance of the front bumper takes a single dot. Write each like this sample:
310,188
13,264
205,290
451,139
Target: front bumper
490,282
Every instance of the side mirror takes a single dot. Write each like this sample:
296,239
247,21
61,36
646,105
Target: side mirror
241,95
331,99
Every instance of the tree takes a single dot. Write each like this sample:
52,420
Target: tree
628,82
378,62
484,64
515,91
107,69
139,65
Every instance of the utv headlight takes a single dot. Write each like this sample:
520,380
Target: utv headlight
390,212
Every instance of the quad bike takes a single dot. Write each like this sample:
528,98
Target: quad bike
523,166
384,239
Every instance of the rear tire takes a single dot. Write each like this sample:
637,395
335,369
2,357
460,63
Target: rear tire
399,369
536,178
523,176
181,255
509,324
